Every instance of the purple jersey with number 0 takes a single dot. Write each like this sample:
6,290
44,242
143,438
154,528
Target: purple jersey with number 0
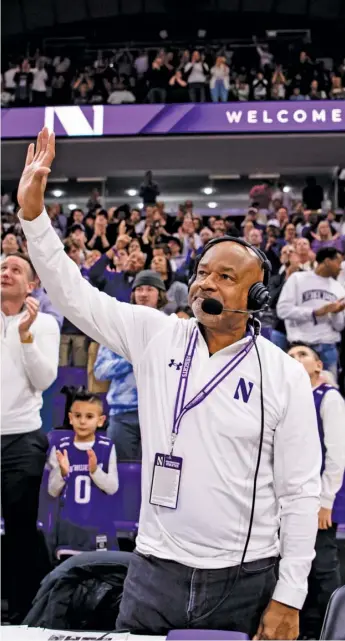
86,519
338,511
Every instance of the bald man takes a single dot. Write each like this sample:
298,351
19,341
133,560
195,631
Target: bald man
208,541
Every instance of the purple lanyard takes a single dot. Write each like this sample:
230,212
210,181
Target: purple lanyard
181,409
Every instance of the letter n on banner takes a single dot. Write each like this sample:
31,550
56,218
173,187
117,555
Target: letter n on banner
74,121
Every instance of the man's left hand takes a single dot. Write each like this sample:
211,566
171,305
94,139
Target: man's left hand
32,306
279,621
325,518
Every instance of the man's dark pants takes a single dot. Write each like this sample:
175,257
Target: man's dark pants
324,579
162,595
22,462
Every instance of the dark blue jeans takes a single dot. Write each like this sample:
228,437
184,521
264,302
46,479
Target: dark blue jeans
124,431
279,339
162,595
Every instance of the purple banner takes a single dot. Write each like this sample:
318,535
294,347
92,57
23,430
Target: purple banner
133,120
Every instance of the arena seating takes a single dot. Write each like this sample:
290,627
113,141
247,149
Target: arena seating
334,623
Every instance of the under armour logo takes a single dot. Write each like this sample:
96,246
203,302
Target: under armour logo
176,365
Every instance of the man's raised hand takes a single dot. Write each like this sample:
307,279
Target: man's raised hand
33,181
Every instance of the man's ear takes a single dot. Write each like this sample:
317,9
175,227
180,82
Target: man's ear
31,286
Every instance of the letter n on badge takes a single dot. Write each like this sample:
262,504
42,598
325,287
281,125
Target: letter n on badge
242,392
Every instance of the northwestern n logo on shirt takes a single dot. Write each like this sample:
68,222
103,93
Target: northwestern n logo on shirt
242,391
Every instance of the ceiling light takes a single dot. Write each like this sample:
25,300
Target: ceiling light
208,191
224,176
131,192
212,205
139,206
286,189
202,33
163,34
91,179
261,176
57,193
72,206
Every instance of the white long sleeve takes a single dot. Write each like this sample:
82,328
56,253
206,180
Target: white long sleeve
40,358
297,463
27,369
56,481
338,320
333,417
106,481
288,307
126,329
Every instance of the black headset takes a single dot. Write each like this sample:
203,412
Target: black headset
258,294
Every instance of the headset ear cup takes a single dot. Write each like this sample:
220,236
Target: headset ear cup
258,297
267,271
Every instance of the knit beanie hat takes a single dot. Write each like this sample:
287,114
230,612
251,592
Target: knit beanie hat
148,277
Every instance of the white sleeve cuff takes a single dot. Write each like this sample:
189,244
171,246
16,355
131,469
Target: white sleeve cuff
97,475
289,596
326,503
34,228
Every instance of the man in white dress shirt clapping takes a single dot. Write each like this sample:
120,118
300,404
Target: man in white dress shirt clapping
29,362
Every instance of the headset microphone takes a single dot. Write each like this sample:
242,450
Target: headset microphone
214,307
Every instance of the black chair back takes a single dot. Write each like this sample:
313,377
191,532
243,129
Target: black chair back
334,622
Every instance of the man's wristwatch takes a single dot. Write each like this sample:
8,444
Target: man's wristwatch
28,339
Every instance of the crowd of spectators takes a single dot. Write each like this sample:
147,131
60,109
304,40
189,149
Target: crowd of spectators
112,246
170,75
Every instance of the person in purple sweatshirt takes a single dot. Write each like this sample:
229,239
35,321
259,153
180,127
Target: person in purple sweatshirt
114,283
46,306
